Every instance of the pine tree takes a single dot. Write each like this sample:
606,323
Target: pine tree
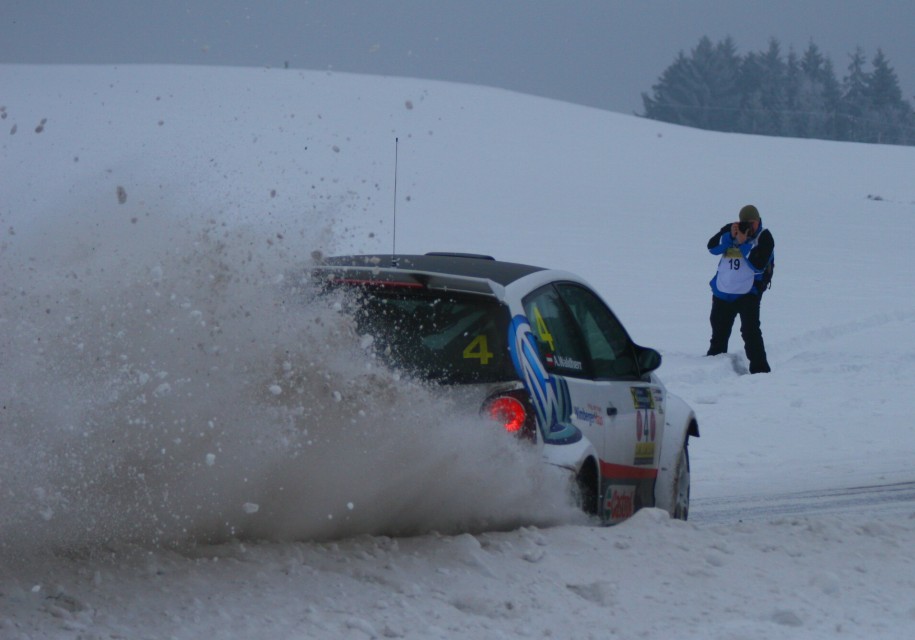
702,81
699,90
762,91
724,80
752,99
882,84
793,81
818,94
855,100
671,99
891,117
832,99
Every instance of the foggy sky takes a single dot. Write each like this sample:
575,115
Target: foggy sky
601,53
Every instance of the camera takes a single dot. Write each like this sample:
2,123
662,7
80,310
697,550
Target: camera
744,226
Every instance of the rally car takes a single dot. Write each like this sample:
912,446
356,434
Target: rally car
541,353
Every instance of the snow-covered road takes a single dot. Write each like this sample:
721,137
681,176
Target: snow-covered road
855,503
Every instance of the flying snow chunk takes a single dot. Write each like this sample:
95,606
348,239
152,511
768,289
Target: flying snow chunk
250,507
276,389
211,459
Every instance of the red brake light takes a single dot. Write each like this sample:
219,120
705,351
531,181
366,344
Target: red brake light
509,412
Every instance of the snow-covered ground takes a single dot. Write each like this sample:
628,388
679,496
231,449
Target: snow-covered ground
187,452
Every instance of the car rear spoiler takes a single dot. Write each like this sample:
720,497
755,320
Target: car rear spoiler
333,276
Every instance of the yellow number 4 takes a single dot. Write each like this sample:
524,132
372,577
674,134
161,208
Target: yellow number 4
478,349
542,331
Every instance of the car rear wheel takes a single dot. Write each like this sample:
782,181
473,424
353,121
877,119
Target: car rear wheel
586,488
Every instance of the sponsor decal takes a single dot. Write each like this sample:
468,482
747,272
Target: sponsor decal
567,363
549,394
642,397
646,431
644,453
619,502
591,415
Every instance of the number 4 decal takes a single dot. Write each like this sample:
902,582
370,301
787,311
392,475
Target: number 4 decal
542,332
478,349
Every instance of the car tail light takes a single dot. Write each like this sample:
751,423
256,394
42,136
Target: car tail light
509,412
513,411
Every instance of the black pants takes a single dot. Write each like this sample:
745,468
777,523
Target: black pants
722,319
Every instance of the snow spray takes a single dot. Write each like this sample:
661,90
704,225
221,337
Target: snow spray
165,381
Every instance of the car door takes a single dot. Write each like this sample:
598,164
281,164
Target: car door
633,427
565,357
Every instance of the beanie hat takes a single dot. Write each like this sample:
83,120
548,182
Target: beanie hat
748,213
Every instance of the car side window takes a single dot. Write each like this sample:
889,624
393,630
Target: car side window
609,346
556,334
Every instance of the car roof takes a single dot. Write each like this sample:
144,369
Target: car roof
454,264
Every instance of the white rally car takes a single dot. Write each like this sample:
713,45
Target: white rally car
540,352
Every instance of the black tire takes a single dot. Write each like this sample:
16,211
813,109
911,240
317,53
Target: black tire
681,485
586,489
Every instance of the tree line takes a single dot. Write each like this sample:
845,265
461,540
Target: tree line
767,93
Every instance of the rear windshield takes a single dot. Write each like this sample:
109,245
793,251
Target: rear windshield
442,337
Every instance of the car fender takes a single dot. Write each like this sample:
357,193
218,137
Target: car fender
569,456
680,423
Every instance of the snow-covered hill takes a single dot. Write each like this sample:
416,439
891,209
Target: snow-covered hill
161,477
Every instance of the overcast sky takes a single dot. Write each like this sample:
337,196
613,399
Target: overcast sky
602,53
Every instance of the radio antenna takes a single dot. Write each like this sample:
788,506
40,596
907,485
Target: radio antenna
394,240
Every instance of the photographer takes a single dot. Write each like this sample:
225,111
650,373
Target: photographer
744,273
